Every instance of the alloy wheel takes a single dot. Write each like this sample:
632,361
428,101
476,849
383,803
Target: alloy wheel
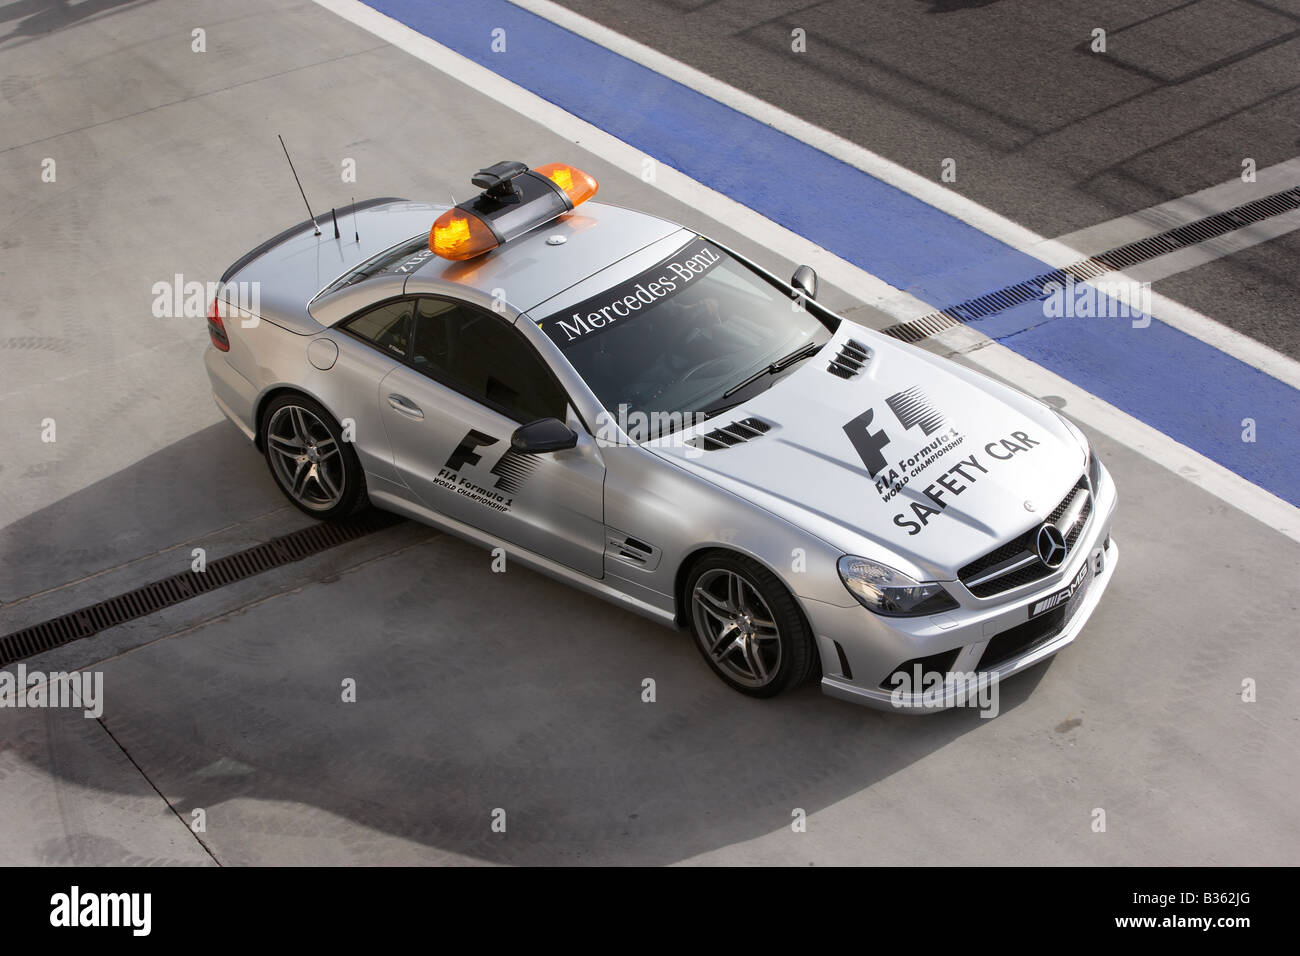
306,458
736,627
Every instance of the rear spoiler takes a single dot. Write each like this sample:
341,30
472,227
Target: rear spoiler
278,238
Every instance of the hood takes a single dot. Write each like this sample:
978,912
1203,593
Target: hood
929,462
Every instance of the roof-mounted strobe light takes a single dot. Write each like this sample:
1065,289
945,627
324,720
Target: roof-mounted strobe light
514,200
458,235
577,185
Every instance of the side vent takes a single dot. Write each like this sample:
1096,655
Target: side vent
734,434
853,355
629,550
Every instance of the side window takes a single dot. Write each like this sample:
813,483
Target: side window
388,327
477,353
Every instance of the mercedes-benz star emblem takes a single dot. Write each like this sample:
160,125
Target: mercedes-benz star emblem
1051,546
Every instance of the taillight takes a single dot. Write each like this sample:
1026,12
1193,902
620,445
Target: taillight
217,331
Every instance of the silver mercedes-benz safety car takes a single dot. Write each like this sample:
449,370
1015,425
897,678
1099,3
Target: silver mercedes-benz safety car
635,409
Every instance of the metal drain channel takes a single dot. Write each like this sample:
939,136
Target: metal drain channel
1115,260
145,600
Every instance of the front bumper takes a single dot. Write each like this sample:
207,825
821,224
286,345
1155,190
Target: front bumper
861,652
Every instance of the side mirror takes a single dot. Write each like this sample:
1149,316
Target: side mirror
805,280
543,435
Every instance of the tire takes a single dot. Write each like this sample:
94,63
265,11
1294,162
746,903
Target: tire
747,625
311,463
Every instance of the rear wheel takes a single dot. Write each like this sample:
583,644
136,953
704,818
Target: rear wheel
748,626
315,468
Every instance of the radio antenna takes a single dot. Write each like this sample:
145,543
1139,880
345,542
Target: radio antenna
355,234
299,182
334,216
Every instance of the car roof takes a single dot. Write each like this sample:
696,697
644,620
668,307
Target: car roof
535,267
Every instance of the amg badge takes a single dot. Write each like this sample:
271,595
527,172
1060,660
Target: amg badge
1062,596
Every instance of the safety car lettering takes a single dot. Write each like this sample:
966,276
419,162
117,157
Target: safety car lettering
958,478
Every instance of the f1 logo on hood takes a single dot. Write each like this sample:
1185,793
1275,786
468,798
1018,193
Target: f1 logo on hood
868,444
910,407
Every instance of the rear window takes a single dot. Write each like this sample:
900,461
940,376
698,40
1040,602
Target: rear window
388,326
401,259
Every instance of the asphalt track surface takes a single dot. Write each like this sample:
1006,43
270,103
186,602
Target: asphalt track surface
1043,129
476,690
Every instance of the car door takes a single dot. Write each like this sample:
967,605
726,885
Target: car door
468,381
347,381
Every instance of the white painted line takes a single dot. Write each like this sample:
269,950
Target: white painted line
1178,212
1054,252
1178,459
1189,257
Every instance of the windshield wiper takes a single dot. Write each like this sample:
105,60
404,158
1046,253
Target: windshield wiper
780,364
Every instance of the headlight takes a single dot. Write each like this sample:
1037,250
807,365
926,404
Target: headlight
1094,468
881,589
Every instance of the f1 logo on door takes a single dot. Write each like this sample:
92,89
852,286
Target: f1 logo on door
464,453
508,474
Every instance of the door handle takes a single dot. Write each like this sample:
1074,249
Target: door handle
404,405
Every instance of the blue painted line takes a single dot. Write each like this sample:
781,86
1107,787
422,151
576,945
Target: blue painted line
1189,390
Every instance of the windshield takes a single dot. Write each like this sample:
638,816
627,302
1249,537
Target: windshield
676,340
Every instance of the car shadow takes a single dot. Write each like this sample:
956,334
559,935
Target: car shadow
208,480
476,693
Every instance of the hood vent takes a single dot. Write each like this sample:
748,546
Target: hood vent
853,356
734,434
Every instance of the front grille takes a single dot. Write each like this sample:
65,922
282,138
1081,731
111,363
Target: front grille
1021,638
1021,548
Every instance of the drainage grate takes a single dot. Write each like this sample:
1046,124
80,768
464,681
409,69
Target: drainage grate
286,549
1115,260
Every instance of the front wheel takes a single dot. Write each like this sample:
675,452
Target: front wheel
315,468
747,625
